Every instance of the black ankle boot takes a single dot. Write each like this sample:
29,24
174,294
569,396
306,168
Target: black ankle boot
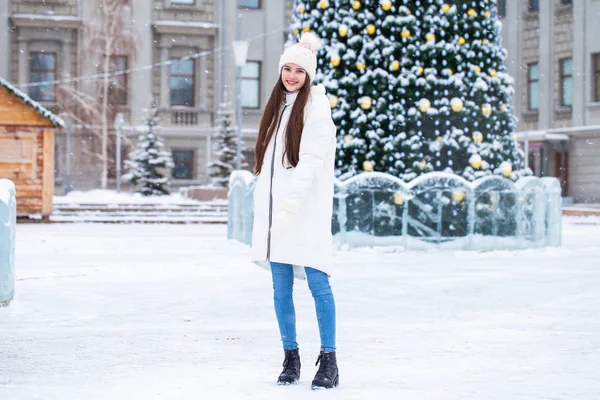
327,376
291,368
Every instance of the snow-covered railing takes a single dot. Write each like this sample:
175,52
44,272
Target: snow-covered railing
8,224
438,210
240,207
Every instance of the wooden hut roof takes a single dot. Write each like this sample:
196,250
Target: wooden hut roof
37,107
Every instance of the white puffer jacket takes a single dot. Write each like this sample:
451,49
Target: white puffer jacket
303,194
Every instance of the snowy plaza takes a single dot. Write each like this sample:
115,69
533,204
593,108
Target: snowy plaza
178,312
152,151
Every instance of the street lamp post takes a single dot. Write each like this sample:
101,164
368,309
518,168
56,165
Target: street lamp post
69,131
119,121
240,50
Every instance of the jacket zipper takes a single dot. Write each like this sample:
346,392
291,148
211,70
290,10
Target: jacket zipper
271,185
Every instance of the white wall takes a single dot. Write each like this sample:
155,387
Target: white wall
5,40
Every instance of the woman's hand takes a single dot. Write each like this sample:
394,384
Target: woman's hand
281,222
283,217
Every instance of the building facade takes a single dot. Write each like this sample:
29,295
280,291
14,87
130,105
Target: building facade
49,40
551,55
556,65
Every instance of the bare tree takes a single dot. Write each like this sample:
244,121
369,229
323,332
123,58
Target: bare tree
93,104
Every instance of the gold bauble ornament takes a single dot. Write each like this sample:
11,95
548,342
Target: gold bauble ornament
360,66
323,4
449,71
476,161
356,5
367,166
439,139
486,110
502,107
445,8
424,105
456,104
471,13
461,41
477,69
485,41
405,34
430,37
306,29
492,72
422,165
386,5
458,196
343,30
486,14
371,29
301,8
348,138
477,137
333,100
398,198
296,32
507,170
420,70
395,65
366,103
515,137
335,61
408,11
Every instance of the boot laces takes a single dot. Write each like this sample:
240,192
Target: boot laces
287,361
324,367
324,361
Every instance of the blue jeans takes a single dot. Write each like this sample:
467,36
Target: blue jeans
318,282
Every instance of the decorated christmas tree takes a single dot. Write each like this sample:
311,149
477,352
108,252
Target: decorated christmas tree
148,160
225,148
415,85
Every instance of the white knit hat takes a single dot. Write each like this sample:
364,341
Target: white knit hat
303,53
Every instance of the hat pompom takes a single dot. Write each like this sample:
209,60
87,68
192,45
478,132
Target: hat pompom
312,40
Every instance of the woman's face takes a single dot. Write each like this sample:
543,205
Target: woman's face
293,77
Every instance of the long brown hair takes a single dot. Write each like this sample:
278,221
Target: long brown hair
270,118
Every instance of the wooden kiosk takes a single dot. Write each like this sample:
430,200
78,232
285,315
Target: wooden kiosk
27,150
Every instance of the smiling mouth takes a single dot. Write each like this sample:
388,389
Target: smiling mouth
292,83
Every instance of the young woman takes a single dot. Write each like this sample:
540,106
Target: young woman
293,202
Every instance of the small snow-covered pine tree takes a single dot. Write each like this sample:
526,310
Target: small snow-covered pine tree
225,147
146,162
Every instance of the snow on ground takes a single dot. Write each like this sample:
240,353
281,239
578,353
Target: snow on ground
176,312
99,196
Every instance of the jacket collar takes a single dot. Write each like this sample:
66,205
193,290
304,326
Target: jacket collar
290,98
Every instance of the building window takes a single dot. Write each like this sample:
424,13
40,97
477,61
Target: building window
42,69
248,3
251,85
596,66
117,89
186,2
184,164
533,85
502,8
566,1
534,5
182,83
566,82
